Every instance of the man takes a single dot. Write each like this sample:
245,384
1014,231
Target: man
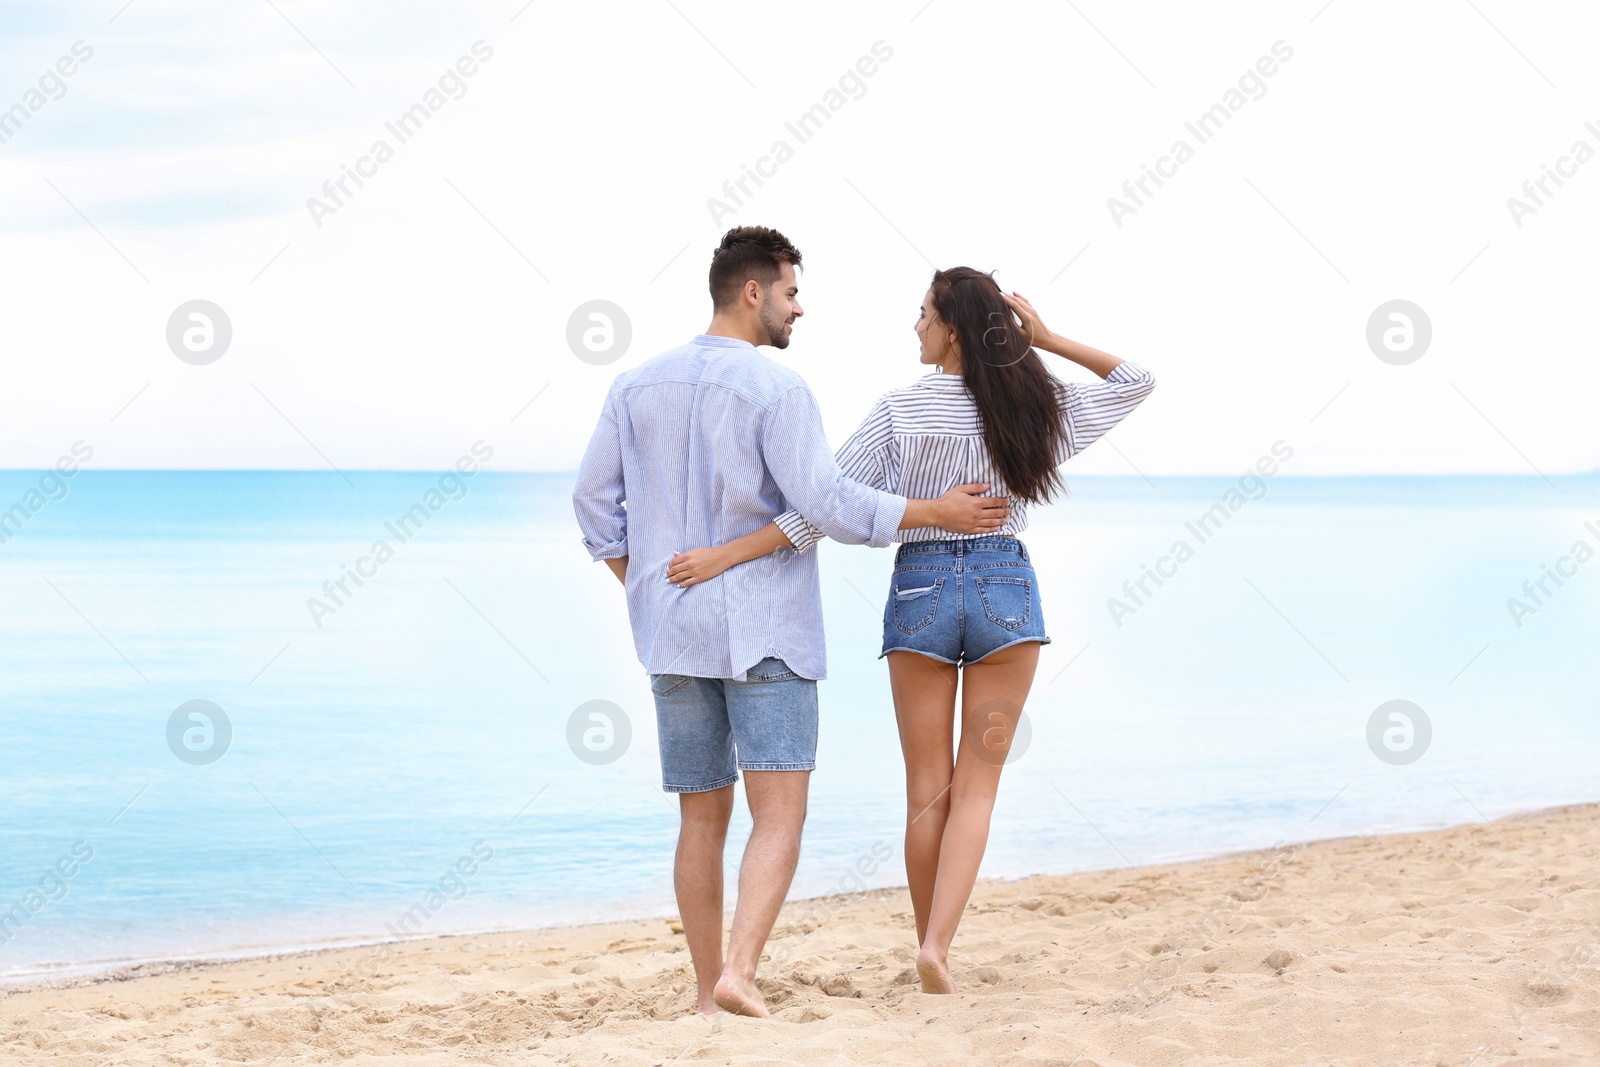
705,443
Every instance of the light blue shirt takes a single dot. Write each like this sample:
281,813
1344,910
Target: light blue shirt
700,445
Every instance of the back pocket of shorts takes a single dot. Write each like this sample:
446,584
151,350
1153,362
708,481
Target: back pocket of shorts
915,603
770,670
666,684
1007,601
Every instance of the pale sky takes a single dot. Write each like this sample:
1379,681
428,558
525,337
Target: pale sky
575,163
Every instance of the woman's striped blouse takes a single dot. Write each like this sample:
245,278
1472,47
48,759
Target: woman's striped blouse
921,441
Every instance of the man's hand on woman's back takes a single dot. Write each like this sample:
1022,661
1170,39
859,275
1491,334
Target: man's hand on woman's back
962,510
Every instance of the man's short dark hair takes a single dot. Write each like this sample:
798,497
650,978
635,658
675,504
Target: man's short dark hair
748,253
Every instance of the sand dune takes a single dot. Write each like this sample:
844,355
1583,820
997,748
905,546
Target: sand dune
1474,945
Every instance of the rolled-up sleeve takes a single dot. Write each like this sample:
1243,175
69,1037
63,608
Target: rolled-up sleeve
801,534
860,458
1090,409
600,495
795,450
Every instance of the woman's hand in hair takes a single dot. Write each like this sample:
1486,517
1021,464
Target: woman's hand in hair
1033,327
1102,363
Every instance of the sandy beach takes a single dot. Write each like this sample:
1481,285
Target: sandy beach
1472,945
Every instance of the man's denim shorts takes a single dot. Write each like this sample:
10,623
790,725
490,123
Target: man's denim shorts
959,600
769,721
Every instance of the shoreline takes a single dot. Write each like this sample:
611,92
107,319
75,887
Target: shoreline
99,972
1470,944
94,973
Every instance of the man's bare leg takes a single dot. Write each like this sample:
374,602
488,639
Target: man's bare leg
697,878
778,811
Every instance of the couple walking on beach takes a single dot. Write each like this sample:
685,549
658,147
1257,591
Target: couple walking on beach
711,456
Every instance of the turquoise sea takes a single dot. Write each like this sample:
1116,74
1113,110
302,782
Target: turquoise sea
398,760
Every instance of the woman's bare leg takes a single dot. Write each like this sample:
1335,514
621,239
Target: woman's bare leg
992,694
925,707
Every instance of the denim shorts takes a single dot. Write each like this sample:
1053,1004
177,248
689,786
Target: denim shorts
768,721
961,599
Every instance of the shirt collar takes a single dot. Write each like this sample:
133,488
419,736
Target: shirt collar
942,380
710,340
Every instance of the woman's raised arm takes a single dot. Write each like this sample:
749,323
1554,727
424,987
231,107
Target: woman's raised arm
1088,410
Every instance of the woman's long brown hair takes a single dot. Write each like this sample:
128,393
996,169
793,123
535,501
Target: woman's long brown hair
1014,393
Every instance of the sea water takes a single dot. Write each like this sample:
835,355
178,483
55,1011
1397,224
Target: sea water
398,755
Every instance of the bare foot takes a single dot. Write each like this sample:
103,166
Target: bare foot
740,997
935,974
708,1008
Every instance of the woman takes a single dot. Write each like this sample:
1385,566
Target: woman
960,604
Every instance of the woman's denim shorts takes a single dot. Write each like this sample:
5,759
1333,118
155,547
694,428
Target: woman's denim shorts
961,599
